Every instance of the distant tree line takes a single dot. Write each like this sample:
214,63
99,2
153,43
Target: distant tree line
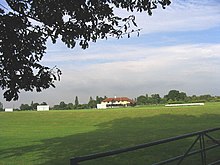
92,103
32,106
173,97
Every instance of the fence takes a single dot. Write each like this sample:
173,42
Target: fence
200,138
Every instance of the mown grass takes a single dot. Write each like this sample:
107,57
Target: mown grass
52,138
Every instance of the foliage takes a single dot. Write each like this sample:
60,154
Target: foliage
92,103
70,106
61,106
43,103
28,24
34,106
141,100
25,107
175,95
100,99
21,48
76,101
64,106
155,98
1,107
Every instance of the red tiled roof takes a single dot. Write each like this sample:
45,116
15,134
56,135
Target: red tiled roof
118,99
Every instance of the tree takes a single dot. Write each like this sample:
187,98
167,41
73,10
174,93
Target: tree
182,96
62,105
34,106
76,102
70,106
56,107
92,103
25,107
32,103
43,103
141,100
155,98
90,98
1,107
175,95
99,99
205,97
26,25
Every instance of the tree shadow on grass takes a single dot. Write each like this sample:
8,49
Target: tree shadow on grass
117,134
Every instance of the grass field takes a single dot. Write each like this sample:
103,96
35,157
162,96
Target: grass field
52,138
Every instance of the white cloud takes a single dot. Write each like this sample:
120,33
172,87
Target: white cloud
192,68
180,16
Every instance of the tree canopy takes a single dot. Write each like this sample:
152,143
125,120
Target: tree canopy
175,95
26,25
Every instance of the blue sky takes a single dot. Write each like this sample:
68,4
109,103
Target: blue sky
178,48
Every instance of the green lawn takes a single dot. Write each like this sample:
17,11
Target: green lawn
52,138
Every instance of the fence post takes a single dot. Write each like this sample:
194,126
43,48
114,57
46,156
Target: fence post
74,161
202,148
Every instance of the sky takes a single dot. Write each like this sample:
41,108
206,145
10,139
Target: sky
178,48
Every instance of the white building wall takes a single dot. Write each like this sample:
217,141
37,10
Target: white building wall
43,108
8,109
101,106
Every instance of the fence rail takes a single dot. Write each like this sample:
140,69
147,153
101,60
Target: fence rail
200,138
